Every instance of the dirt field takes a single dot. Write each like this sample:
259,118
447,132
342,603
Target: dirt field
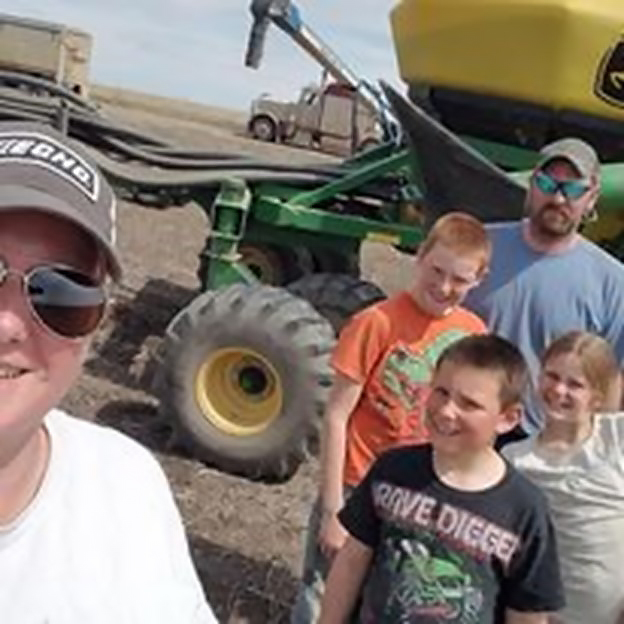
246,537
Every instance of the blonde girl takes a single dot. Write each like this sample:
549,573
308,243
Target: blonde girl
578,461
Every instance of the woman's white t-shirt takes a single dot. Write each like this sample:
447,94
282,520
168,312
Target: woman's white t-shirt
102,541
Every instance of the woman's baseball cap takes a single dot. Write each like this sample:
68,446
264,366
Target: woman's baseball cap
41,169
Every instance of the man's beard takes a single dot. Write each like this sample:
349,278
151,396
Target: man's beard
552,228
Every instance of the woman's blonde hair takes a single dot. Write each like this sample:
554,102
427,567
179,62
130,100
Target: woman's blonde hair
598,362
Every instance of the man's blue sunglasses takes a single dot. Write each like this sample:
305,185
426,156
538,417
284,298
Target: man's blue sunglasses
570,189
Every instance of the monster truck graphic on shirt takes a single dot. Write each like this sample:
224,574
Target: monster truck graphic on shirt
408,368
429,586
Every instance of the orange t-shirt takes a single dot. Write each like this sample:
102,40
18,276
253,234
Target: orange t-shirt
391,348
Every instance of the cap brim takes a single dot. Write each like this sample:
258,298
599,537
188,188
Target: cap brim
580,168
14,197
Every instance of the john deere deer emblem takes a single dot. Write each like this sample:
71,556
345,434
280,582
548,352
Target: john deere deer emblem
610,79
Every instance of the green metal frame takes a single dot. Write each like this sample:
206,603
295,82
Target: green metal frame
287,216
284,215
228,215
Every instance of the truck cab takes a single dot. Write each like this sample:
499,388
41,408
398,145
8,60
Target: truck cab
331,117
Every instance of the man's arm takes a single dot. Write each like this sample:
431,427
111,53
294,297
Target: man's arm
344,582
518,617
343,399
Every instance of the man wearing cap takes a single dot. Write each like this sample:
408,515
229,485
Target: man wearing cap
89,531
546,278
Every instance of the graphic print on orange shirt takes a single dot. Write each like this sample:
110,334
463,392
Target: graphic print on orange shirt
404,382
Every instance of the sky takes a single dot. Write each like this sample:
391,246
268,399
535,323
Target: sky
194,49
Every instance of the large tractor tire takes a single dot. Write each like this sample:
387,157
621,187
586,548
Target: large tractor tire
336,296
244,378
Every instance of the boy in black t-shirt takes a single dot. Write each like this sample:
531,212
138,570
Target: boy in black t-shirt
448,531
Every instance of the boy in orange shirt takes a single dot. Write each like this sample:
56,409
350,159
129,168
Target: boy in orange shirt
383,363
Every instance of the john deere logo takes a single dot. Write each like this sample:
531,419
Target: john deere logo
610,79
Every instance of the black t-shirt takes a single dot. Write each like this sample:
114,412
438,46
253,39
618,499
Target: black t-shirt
446,555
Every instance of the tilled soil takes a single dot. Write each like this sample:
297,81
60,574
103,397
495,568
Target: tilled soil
246,537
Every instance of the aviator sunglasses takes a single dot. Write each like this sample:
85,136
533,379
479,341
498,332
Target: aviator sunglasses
570,189
65,301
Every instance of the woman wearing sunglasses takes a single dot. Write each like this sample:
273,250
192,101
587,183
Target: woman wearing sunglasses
547,279
89,531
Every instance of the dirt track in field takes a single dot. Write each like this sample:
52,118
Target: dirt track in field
246,537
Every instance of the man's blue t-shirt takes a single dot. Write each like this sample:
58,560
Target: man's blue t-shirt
531,298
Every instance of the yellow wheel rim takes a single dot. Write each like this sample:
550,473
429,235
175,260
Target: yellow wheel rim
239,391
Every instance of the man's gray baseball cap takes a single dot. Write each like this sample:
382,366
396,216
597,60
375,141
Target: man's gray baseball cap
41,169
579,154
